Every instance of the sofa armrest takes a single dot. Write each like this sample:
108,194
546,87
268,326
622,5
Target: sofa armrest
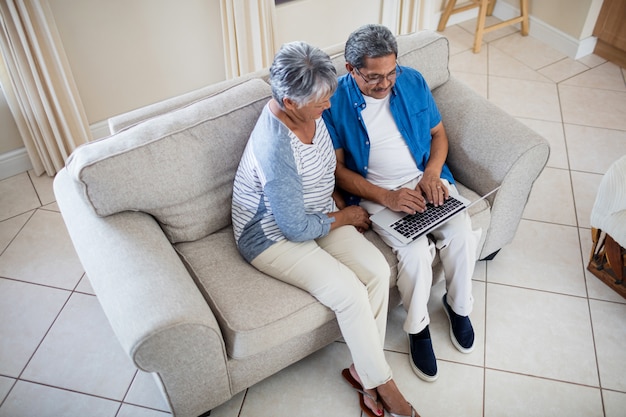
153,305
490,148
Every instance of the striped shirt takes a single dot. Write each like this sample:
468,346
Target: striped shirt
283,187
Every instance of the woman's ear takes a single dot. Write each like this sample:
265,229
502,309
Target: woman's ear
289,103
349,67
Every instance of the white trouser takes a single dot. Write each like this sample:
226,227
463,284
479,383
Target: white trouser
457,245
348,274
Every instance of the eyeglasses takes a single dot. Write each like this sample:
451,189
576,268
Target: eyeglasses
378,78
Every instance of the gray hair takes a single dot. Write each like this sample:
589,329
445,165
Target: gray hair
369,41
302,73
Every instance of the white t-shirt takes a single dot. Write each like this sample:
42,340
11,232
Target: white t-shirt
390,163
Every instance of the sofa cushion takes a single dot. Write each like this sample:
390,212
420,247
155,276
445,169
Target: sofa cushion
255,312
178,167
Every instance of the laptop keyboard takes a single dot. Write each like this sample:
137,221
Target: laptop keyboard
413,225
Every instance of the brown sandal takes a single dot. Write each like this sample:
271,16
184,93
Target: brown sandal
362,394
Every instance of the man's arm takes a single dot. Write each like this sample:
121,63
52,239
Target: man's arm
404,199
431,184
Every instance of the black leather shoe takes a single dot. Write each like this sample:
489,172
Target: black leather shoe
461,330
422,357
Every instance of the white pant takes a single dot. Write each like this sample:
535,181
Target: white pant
348,274
457,245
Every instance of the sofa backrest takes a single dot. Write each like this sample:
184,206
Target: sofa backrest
178,167
177,159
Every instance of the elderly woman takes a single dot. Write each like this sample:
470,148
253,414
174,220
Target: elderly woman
288,225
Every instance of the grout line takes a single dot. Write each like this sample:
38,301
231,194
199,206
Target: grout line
19,231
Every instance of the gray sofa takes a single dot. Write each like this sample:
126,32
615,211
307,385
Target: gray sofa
148,211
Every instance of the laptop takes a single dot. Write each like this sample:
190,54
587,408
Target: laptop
408,227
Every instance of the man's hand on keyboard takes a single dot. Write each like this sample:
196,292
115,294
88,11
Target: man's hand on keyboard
434,189
405,200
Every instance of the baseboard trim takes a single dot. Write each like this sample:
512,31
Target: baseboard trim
14,162
17,161
100,129
549,35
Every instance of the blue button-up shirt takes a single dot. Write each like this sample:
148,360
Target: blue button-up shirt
414,111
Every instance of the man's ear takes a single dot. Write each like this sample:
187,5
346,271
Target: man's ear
349,67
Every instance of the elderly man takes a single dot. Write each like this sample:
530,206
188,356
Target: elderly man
391,149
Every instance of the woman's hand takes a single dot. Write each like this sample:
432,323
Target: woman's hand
355,216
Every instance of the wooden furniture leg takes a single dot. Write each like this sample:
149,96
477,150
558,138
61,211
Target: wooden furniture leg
485,8
615,259
607,261
480,24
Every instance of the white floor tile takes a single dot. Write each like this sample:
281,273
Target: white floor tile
553,133
43,187
551,198
5,386
128,410
28,399
18,196
607,76
231,407
43,253
593,149
26,313
84,286
593,107
9,229
563,69
610,332
503,65
555,253
477,82
288,393
145,392
528,50
540,334
614,403
524,98
468,61
520,395
81,353
457,392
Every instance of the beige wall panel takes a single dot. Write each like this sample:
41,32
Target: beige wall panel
568,16
127,54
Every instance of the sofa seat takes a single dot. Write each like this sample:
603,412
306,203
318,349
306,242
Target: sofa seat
256,312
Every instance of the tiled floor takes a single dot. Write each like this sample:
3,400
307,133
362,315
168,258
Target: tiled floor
550,335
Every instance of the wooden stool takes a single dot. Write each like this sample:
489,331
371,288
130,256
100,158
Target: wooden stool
485,9
608,261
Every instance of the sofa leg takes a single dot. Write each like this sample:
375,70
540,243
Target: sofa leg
490,257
